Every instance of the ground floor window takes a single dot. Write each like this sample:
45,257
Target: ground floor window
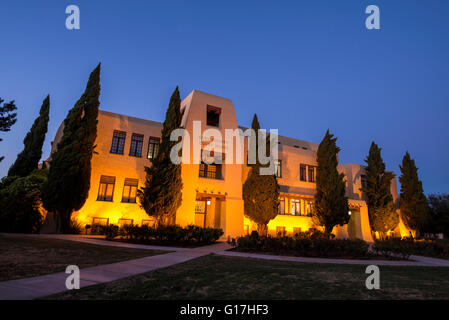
106,188
122,222
280,231
295,207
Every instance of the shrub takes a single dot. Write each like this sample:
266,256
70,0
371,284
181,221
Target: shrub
20,203
110,231
304,244
168,234
407,246
75,227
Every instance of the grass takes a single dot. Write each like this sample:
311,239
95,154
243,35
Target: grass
220,277
25,256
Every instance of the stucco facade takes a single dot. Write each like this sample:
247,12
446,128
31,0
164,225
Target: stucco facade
210,196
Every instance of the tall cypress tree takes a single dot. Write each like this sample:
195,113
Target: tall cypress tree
28,159
161,195
381,208
7,117
68,183
260,192
331,204
413,202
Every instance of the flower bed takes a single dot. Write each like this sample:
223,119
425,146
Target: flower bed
166,235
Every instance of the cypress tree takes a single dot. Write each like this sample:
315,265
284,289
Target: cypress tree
331,204
381,208
68,183
260,192
7,117
413,202
161,195
28,159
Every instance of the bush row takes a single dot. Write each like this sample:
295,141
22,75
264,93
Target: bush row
316,246
406,247
168,234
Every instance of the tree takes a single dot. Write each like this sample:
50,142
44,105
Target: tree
260,192
28,159
68,183
161,195
7,117
331,204
20,202
439,214
381,208
413,202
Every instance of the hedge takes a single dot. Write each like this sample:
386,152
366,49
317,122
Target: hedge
169,234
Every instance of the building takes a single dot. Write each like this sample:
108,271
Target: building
212,194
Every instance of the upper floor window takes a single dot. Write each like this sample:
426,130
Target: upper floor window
311,173
363,181
281,208
302,172
153,147
136,145
130,190
309,207
213,116
212,171
278,168
296,207
118,142
106,189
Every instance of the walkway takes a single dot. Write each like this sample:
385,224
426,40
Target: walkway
30,288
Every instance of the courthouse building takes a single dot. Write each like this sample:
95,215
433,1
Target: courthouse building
212,193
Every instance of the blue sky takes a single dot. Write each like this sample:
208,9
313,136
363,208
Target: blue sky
302,66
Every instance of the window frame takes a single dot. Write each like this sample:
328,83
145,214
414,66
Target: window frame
204,173
133,153
215,110
129,182
301,178
118,145
153,147
104,196
278,166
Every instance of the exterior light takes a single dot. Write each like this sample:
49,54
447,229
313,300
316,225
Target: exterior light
349,212
208,202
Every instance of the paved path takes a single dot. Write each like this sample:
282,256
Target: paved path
30,288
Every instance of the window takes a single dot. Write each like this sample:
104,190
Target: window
211,171
296,230
148,222
296,207
280,231
309,207
130,190
123,222
278,168
106,189
200,206
302,172
213,116
118,142
153,147
281,208
311,173
97,223
136,145
363,181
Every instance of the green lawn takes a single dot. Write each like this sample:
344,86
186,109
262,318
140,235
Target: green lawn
220,277
25,256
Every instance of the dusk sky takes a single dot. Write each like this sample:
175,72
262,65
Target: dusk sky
302,66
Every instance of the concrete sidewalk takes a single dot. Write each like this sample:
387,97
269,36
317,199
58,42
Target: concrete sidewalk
31,288
418,261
